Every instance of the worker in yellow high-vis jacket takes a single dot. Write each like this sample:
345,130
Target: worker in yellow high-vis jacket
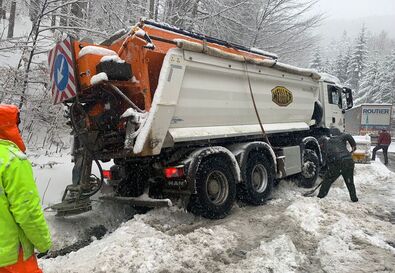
22,224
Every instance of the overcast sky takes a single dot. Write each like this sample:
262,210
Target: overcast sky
342,9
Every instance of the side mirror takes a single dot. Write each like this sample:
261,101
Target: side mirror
349,99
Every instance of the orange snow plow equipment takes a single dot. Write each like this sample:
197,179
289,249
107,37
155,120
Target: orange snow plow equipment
9,120
131,61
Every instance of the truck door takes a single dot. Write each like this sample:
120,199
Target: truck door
334,116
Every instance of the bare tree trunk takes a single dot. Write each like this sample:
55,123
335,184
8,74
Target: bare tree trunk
89,11
1,7
12,20
2,10
65,11
34,9
78,11
194,14
36,32
151,9
156,11
53,21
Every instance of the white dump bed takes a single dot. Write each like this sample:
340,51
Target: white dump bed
205,97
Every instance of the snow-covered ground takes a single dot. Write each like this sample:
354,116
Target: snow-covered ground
22,28
52,175
391,148
291,233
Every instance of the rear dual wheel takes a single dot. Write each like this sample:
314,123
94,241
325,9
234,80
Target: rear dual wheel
259,177
215,189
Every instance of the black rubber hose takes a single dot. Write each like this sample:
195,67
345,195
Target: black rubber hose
87,195
72,118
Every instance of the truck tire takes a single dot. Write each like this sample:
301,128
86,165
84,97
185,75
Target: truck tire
259,178
310,169
215,189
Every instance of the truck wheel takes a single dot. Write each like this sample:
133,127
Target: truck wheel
215,187
310,169
259,180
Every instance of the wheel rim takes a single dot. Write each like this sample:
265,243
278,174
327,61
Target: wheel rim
309,169
217,187
259,178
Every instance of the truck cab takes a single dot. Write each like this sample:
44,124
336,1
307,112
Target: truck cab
335,99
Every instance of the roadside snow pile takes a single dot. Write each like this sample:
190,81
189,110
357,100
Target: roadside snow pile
291,233
138,247
336,251
391,148
66,231
307,213
342,250
277,256
170,220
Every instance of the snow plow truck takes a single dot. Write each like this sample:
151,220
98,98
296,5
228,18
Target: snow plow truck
188,117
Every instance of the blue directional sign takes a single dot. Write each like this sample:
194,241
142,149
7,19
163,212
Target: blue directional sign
61,73
62,65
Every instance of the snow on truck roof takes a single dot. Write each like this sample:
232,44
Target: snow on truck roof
330,78
199,36
270,60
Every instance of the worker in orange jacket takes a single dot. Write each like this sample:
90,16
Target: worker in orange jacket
22,224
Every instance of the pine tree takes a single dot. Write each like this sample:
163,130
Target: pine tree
316,63
387,81
339,68
328,67
358,61
370,84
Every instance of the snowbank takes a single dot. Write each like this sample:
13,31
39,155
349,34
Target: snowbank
291,233
391,148
139,247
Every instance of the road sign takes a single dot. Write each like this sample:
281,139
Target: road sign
62,74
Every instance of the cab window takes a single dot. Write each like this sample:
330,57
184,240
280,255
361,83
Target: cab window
334,96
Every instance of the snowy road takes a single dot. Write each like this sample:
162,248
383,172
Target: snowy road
391,160
290,234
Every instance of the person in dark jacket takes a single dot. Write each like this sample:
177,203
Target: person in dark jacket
384,142
339,162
